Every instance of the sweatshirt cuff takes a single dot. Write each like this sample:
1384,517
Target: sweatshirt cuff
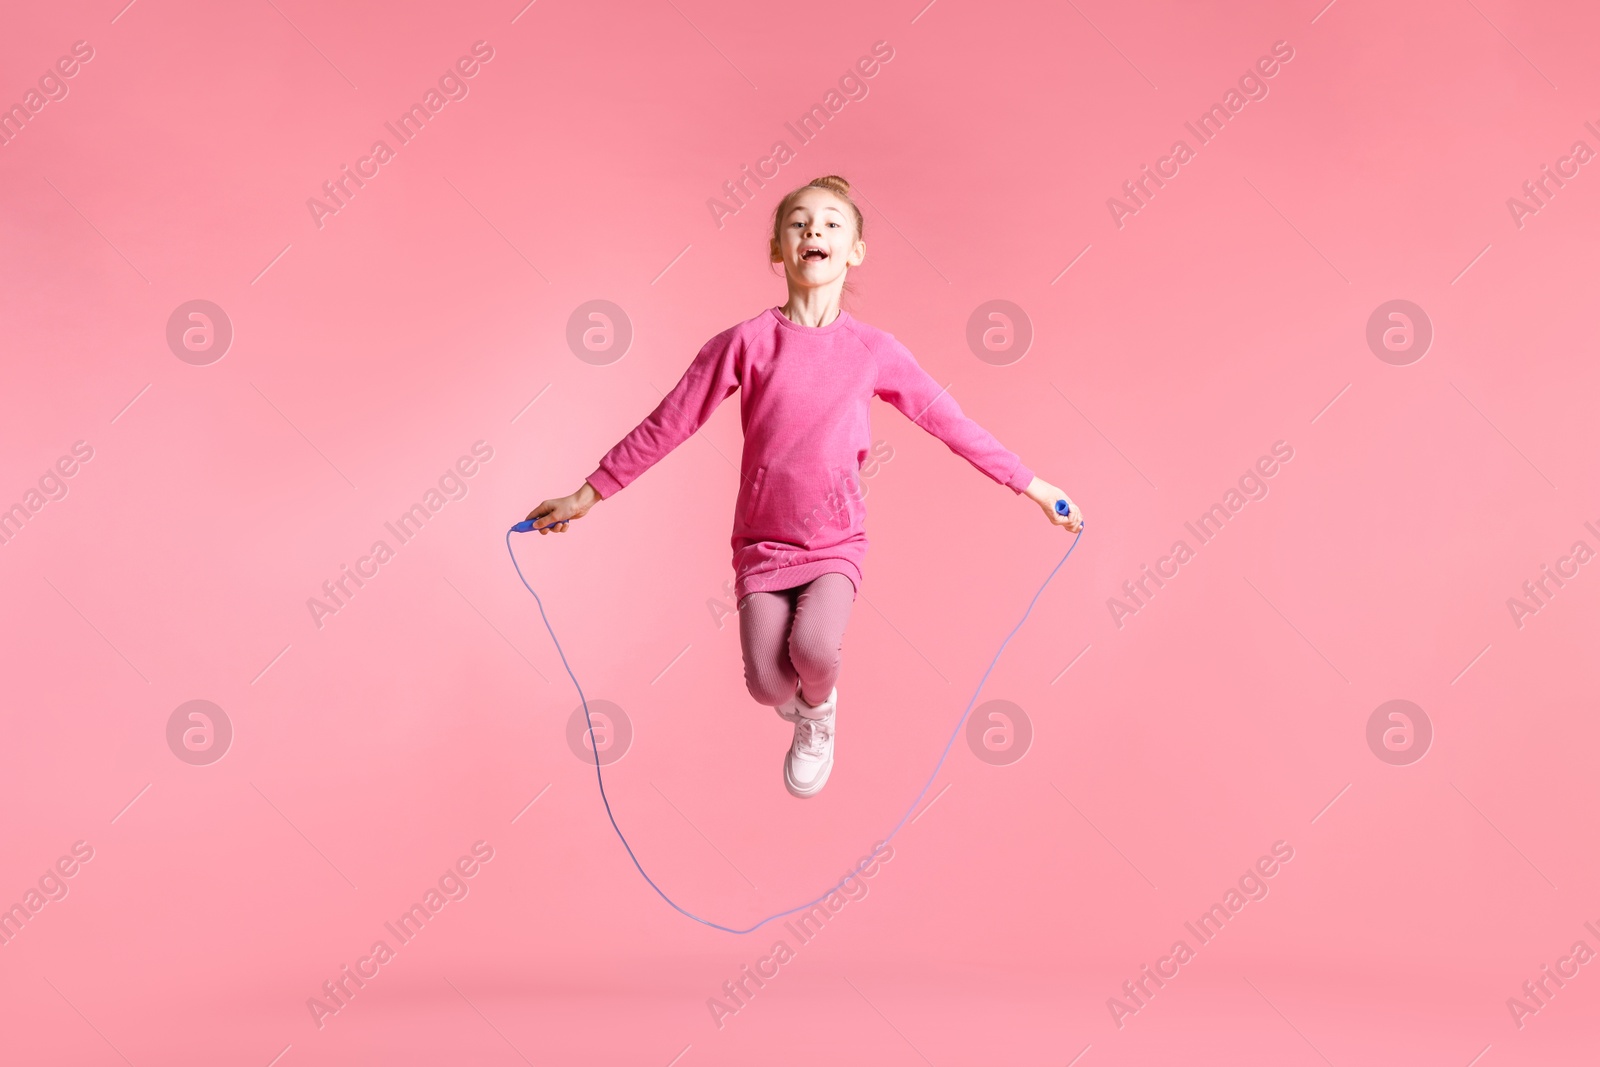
604,483
1020,479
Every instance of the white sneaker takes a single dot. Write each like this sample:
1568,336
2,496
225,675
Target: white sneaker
810,757
786,710
789,710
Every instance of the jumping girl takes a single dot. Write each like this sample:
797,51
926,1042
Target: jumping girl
808,370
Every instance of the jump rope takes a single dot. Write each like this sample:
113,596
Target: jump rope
527,525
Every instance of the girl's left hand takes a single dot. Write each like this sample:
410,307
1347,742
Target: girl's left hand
1045,495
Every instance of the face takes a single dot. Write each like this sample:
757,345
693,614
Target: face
817,240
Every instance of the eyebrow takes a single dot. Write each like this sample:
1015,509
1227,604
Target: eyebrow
825,207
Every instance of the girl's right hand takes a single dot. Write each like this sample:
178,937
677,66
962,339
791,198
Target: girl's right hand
556,514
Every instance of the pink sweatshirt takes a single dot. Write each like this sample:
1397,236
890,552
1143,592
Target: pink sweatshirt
804,409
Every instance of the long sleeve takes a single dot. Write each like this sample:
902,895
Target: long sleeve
903,383
710,379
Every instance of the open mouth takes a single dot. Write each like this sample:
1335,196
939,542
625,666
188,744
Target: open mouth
813,255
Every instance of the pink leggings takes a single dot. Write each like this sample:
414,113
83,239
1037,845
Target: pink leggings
792,637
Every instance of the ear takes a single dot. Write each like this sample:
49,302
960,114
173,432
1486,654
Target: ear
857,254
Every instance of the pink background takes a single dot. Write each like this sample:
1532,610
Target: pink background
1228,714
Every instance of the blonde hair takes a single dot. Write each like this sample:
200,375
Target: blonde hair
833,184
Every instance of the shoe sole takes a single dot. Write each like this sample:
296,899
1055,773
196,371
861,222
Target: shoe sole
815,788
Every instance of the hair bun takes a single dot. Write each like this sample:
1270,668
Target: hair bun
833,182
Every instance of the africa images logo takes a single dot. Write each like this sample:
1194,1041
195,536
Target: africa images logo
411,122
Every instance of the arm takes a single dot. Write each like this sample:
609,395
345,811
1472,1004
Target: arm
711,378
903,383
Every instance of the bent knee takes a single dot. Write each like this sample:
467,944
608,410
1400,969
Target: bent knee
769,689
814,649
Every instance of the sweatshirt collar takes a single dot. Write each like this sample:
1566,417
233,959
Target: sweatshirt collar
783,320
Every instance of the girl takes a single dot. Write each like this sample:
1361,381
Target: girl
808,370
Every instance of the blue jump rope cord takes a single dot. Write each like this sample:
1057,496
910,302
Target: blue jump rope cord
1062,508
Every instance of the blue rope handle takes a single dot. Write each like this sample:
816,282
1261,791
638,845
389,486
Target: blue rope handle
1062,508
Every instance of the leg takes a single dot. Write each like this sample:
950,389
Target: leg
817,634
764,622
